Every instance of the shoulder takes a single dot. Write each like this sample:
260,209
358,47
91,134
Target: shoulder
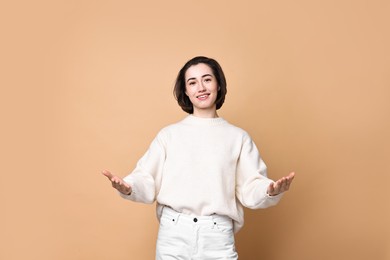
167,131
238,131
170,127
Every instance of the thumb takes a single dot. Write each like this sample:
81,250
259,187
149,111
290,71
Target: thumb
271,188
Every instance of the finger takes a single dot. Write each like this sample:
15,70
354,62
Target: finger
289,183
107,174
271,188
287,186
124,185
291,175
118,183
114,184
285,183
282,184
277,187
290,178
123,188
114,179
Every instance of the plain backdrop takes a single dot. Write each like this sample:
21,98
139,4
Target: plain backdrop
86,85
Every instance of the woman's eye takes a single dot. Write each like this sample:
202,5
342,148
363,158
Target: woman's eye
208,80
192,83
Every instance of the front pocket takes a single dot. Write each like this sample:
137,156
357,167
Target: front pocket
166,222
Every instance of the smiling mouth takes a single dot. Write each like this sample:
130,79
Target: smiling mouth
204,96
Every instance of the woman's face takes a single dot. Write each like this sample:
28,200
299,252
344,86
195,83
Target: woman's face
201,89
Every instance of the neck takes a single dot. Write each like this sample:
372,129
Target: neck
206,113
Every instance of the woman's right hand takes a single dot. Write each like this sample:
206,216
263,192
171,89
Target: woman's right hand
118,183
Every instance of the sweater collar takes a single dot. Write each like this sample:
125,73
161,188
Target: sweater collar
193,120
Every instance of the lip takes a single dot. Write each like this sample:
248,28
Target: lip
203,96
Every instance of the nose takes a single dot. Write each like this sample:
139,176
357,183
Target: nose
201,87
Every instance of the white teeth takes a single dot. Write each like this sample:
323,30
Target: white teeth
203,96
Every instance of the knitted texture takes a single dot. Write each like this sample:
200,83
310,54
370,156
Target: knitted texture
202,166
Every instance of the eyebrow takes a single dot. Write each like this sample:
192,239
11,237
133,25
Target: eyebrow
205,75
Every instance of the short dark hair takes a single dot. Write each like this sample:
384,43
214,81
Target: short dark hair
180,85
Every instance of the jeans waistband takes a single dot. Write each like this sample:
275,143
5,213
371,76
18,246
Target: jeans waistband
213,219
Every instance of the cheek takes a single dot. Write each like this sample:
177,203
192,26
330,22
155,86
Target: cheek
188,92
216,89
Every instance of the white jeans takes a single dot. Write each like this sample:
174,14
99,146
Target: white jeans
188,237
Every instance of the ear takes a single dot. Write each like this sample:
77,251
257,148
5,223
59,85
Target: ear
219,88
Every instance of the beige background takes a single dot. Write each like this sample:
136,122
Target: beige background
86,85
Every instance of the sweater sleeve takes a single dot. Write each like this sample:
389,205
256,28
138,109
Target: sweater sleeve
251,178
145,180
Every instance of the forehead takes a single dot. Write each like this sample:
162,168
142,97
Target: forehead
198,70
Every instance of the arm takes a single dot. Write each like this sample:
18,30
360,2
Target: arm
254,189
143,184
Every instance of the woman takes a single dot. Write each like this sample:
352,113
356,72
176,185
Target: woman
201,172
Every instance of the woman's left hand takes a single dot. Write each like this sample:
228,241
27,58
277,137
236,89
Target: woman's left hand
281,185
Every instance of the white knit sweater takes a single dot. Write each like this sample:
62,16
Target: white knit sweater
202,166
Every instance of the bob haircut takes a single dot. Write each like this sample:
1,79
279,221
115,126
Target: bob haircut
179,90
